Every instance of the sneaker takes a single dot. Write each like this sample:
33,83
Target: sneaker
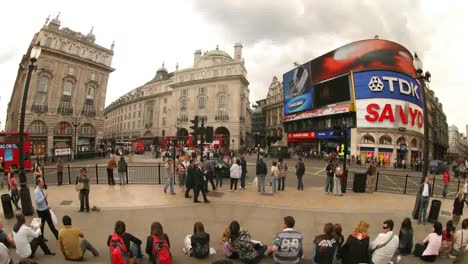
452,256
231,190
184,250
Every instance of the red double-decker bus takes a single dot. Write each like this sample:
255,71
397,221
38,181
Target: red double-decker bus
187,142
9,149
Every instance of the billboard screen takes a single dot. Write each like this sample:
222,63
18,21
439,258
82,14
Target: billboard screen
359,55
387,99
297,90
332,92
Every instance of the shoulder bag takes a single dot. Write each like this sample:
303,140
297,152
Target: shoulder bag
79,185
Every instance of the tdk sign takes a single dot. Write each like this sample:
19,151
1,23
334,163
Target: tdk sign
387,84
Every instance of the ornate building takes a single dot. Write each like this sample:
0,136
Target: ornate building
458,143
274,113
69,86
215,88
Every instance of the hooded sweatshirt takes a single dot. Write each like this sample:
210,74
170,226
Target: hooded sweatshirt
355,249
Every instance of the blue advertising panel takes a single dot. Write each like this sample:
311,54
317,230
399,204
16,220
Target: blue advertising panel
297,89
387,84
329,134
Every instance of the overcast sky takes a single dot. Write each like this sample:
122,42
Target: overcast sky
274,34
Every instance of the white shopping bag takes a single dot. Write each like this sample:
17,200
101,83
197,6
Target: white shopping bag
255,181
53,216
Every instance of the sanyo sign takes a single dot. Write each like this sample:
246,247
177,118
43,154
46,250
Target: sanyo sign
387,99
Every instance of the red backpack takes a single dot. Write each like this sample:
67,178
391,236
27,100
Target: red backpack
118,250
161,251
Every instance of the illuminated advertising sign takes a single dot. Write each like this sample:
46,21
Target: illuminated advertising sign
386,99
322,134
297,90
324,111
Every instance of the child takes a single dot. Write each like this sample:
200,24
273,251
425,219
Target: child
228,249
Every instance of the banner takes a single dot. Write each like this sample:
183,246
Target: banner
62,152
297,90
327,110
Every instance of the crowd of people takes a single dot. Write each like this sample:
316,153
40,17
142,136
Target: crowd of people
329,247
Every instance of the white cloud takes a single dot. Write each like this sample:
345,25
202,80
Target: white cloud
274,34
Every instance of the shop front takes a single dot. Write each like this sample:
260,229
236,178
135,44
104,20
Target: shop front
385,156
367,154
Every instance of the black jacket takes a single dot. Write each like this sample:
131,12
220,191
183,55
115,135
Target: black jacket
406,241
200,245
421,189
458,207
244,166
190,176
261,168
198,177
355,250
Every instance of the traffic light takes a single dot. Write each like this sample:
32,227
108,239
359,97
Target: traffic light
209,134
195,128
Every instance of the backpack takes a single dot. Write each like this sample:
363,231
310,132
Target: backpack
161,251
200,250
118,250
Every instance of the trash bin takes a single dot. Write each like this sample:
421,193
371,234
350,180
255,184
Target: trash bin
359,182
7,207
434,212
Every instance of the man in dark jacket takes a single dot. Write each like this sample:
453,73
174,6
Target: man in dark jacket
261,172
189,183
209,170
300,171
329,184
244,172
425,192
199,184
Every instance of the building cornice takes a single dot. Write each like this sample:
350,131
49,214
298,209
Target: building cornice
211,80
136,100
78,59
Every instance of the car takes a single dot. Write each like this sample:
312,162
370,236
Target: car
437,166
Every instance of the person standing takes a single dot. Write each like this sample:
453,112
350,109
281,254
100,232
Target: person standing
121,170
371,174
337,180
425,192
282,167
244,172
446,182
111,164
330,171
274,174
235,174
300,171
181,175
169,176
385,244
14,188
84,193
59,171
199,183
42,207
72,242
209,167
190,181
465,191
261,171
458,205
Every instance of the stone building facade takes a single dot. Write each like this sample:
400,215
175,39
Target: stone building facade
458,143
69,86
215,88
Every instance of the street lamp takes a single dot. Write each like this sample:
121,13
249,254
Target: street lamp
25,195
76,122
422,79
177,125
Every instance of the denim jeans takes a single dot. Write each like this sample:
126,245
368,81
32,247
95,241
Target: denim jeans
84,199
329,184
261,182
122,178
242,180
300,184
281,183
444,191
273,184
423,208
170,183
135,250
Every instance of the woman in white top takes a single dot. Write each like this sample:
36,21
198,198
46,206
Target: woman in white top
274,176
236,172
27,240
434,242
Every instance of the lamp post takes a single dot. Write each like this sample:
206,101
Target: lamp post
422,79
76,122
25,195
175,145
258,152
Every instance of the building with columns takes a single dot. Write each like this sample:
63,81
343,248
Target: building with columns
68,87
215,88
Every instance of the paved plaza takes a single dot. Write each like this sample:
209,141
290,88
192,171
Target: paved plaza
261,214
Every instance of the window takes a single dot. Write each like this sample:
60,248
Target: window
67,88
202,90
90,92
139,106
192,76
164,110
38,127
201,104
184,92
222,103
133,125
164,121
41,95
87,129
134,114
165,100
139,113
139,123
134,107
228,71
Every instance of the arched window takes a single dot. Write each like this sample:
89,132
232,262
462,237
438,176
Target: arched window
67,87
38,127
401,140
368,139
414,143
201,106
63,128
91,89
222,103
42,88
385,140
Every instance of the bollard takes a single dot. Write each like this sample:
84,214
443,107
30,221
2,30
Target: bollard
69,175
406,183
126,173
377,181
97,175
159,173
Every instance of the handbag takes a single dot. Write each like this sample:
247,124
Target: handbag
419,249
79,185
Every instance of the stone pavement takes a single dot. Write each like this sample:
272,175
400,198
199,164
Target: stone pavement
262,215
